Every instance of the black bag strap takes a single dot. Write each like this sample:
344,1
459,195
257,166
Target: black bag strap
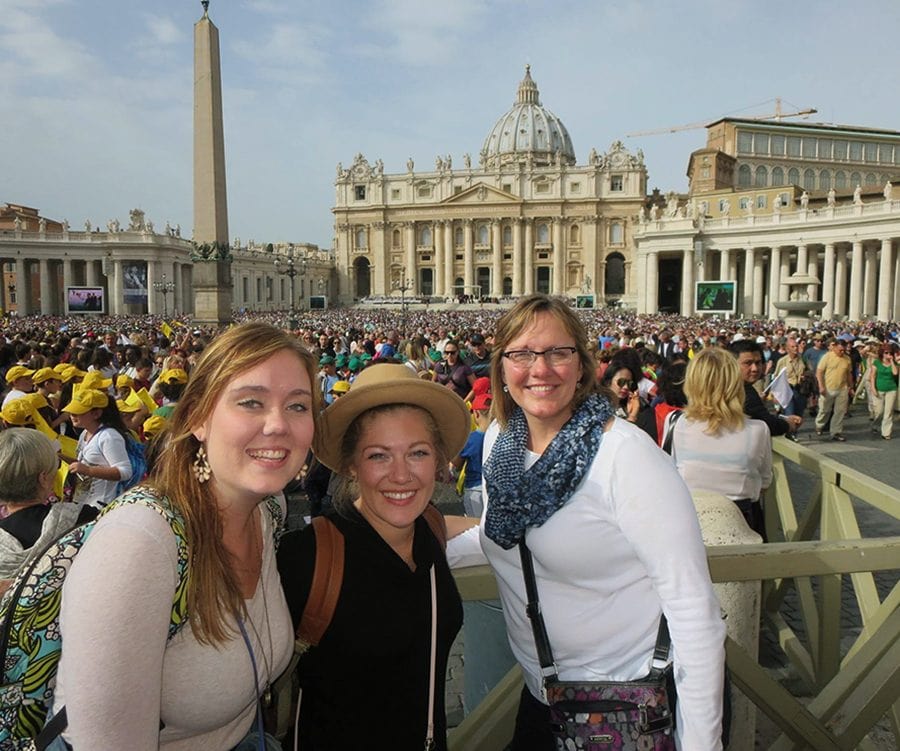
672,418
539,629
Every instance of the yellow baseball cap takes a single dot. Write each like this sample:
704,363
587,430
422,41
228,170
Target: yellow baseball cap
128,407
86,400
124,380
94,379
16,372
173,375
45,374
153,425
17,412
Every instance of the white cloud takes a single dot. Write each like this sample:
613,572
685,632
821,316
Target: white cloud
287,53
163,30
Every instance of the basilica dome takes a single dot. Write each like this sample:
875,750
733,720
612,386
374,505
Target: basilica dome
528,132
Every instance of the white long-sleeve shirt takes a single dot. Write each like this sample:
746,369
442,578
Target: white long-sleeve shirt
106,448
625,544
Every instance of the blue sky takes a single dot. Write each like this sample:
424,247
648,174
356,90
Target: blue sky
97,95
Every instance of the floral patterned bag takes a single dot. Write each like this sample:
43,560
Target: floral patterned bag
604,715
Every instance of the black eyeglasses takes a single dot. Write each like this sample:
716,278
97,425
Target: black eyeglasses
624,383
555,356
451,351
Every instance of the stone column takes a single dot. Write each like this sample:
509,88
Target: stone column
496,259
812,267
152,294
774,280
23,284
559,258
885,280
517,257
116,293
758,285
178,294
90,275
854,311
870,288
411,274
724,263
687,282
438,287
67,278
652,282
802,259
469,271
784,291
449,258
47,303
600,285
840,283
747,296
529,257
828,282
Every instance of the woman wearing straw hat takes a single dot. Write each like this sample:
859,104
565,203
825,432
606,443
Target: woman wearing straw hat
392,434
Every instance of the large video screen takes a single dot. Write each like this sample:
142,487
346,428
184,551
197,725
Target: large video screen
85,300
715,297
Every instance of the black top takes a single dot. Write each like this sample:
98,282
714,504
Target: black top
366,684
26,524
754,407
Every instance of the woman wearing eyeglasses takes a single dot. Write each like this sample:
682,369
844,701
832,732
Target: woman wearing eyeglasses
609,523
452,372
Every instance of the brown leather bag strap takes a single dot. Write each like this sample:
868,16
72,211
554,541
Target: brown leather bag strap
437,523
326,584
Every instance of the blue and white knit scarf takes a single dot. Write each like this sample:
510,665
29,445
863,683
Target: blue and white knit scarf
520,498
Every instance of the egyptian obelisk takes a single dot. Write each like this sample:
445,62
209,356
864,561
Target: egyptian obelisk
211,254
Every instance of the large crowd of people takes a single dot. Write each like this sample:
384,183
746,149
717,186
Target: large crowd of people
547,419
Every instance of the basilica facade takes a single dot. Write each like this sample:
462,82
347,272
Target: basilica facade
522,217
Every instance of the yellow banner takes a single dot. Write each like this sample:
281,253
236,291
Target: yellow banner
60,480
68,446
147,400
166,329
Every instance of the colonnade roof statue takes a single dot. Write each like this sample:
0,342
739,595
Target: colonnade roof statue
528,132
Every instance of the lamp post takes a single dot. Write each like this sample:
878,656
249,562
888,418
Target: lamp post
291,268
403,285
165,288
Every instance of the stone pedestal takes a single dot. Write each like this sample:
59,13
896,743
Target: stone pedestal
721,523
212,287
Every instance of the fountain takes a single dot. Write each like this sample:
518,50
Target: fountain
798,308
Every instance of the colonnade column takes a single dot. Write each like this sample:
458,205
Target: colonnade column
23,288
438,285
724,263
652,282
116,294
90,273
449,258
517,257
856,282
758,285
828,282
812,266
47,306
600,284
178,294
152,306
774,277
748,282
411,274
687,282
559,261
885,280
802,259
469,273
784,292
529,257
840,283
496,259
870,289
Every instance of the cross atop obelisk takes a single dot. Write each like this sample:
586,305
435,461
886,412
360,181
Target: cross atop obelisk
211,278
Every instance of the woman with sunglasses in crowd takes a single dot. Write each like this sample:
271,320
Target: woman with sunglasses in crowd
622,376
452,372
609,524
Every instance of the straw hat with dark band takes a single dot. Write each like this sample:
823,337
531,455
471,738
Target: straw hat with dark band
383,384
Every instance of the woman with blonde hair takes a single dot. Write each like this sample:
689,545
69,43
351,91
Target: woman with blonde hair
715,446
241,431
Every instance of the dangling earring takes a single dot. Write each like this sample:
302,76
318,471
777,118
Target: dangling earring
202,470
505,389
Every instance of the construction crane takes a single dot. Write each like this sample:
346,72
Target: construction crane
778,115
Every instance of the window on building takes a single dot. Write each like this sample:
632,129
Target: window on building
777,177
723,202
543,233
395,238
543,280
762,177
809,148
793,176
855,151
574,235
885,153
840,150
614,283
425,236
786,199
840,180
616,183
855,179
359,192
744,142
426,281
793,145
361,238
459,284
744,175
616,233
459,237
507,236
575,188
871,152
483,280
744,202
507,187
424,191
483,234
825,147
542,187
457,189
507,285
776,145
761,202
809,180
761,144
871,179
824,180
